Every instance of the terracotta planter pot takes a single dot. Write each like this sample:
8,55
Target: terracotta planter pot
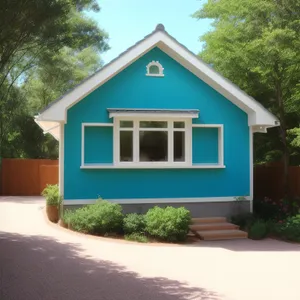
52,213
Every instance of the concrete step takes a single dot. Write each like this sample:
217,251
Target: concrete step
209,220
212,226
211,235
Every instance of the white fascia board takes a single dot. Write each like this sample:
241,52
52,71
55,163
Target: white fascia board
257,114
57,111
49,127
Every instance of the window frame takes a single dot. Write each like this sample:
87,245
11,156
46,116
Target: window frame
136,141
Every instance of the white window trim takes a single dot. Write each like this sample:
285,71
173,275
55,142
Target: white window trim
160,69
83,125
220,139
136,129
116,164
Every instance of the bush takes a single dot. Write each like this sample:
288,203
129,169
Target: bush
289,229
51,193
137,237
67,216
134,223
267,209
258,230
99,218
243,220
169,224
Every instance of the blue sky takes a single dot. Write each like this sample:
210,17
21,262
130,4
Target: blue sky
128,21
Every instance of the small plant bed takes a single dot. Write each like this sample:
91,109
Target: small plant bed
274,219
106,219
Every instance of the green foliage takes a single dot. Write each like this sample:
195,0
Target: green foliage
243,220
256,45
258,230
289,229
67,216
267,209
51,193
99,218
168,224
137,237
48,48
134,223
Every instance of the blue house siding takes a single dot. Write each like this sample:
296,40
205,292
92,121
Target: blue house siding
179,89
98,144
205,145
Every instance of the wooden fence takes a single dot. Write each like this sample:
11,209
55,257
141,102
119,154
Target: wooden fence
268,181
27,177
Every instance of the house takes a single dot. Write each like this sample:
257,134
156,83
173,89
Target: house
157,126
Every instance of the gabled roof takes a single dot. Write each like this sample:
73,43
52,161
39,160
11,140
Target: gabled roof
257,114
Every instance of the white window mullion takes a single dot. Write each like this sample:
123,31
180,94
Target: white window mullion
116,141
170,142
136,141
189,142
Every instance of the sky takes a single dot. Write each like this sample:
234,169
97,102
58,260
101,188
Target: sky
128,21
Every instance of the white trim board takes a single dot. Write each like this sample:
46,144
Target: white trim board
152,166
155,200
61,160
257,114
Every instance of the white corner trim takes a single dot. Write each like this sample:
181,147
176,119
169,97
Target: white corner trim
158,65
155,200
257,115
159,165
61,159
251,167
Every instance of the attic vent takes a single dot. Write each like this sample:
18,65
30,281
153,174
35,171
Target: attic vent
155,69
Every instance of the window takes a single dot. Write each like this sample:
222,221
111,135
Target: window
155,69
152,142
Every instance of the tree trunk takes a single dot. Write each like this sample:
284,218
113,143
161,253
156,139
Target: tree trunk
283,134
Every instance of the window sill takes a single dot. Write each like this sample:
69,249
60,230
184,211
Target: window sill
152,166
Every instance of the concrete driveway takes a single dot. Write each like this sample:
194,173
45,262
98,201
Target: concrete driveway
44,262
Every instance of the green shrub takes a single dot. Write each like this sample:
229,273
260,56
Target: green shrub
134,223
168,224
51,193
99,218
67,215
268,209
289,229
137,237
243,220
258,230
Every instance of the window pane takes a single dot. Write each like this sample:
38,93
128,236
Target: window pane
126,146
154,70
179,146
153,124
178,124
126,124
153,146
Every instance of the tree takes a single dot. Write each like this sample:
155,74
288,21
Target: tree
32,33
57,74
256,45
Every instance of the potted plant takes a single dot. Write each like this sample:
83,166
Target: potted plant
53,201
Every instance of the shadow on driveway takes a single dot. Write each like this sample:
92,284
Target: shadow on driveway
35,267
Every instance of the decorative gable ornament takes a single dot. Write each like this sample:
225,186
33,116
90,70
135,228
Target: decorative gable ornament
154,68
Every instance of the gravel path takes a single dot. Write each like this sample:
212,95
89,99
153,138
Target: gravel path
40,261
